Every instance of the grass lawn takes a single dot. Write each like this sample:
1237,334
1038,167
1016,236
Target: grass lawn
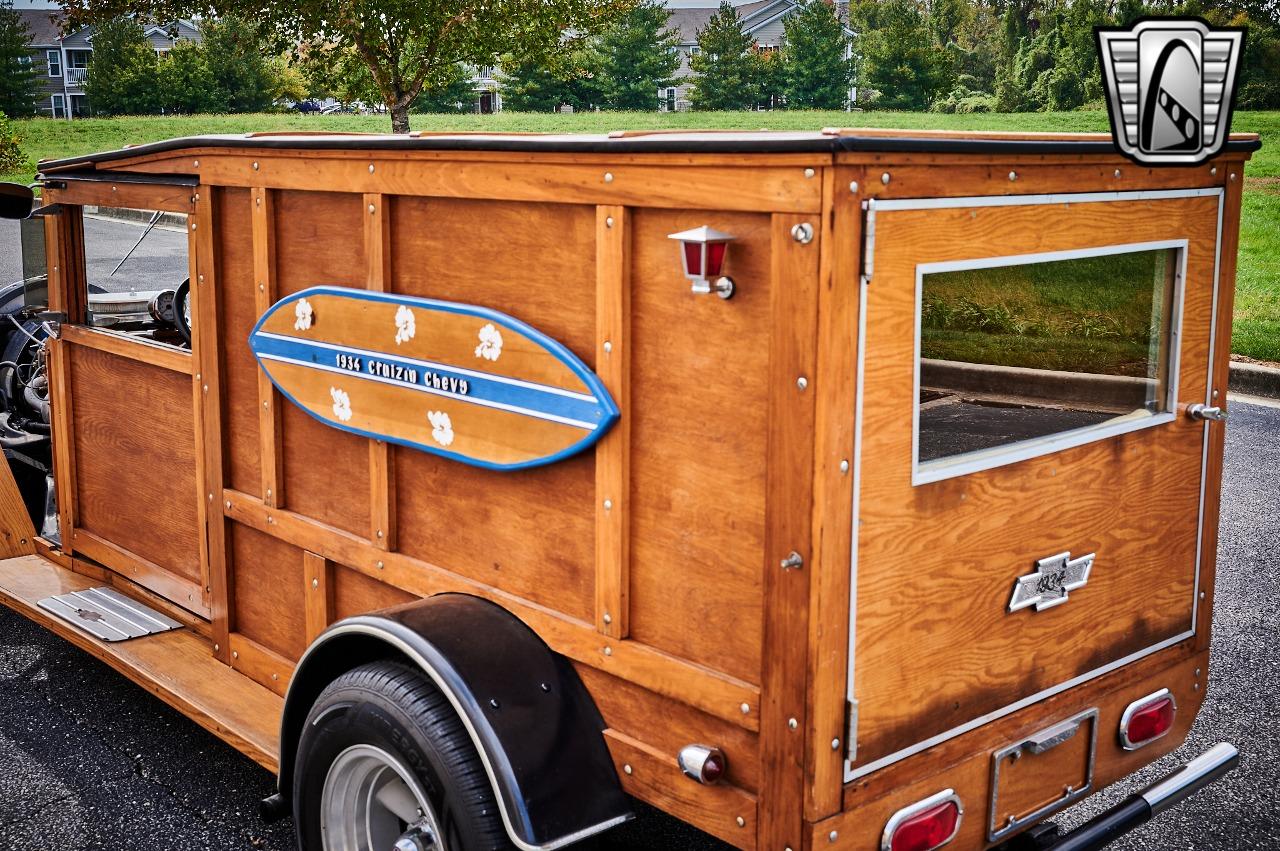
1257,308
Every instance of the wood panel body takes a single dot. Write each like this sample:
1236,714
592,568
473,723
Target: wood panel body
724,463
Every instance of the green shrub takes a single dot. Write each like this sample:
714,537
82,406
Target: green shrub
11,157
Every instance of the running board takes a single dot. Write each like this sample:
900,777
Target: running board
107,614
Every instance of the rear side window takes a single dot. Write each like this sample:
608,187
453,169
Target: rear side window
1019,356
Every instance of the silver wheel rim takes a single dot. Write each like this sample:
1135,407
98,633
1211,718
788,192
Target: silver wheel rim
372,802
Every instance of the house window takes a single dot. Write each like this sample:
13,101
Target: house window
59,108
671,100
55,63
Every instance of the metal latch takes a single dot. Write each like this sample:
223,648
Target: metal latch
52,321
1200,411
1047,740
851,730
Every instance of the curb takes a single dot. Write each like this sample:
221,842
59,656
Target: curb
1254,380
130,215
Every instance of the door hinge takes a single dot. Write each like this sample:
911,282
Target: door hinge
868,239
851,730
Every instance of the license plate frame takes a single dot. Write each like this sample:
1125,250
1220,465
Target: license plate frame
1046,740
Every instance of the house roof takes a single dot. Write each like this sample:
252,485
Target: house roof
688,21
44,25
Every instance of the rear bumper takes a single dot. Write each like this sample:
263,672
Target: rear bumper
1136,809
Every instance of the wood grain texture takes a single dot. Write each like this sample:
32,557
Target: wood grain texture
834,397
270,453
699,444
63,444
382,473
235,240
269,606
706,689
212,207
355,593
613,452
122,442
964,764
937,562
17,534
133,348
319,240
176,666
763,187
317,579
137,196
655,777
788,529
260,664
176,589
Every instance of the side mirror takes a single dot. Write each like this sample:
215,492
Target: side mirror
15,201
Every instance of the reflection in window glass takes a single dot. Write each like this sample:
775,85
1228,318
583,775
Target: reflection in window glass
1013,353
136,270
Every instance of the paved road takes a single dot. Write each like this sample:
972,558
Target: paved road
89,761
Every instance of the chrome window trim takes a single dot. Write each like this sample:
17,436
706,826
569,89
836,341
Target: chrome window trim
998,456
1140,703
886,838
851,771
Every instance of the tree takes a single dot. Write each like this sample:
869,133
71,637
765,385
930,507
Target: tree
339,73
236,53
635,57
819,62
724,68
184,82
288,83
17,74
123,70
11,157
900,60
543,84
405,44
454,93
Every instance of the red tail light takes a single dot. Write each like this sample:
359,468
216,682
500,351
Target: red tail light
1147,719
925,825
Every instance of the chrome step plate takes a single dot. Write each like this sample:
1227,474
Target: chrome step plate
107,614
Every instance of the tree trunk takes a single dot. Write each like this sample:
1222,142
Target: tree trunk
400,118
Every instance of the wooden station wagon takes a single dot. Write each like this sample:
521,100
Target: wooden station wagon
840,490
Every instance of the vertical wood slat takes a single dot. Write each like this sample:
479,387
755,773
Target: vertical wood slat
382,482
830,580
64,235
207,391
613,451
788,529
270,448
317,572
1212,484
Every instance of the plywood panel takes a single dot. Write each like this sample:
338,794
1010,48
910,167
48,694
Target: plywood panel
135,458
357,594
268,606
233,240
529,532
319,239
935,645
698,445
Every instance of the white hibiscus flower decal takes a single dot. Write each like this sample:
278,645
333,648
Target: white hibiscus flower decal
404,325
441,427
341,404
490,343
303,314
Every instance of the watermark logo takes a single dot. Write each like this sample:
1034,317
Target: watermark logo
1171,85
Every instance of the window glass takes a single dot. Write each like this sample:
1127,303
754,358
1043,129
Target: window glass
136,271
1014,352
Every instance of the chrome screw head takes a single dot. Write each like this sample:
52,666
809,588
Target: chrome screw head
808,172
853,186
741,821
844,466
1013,175
835,744
746,708
608,347
792,723
608,221
255,165
802,233
371,168
608,177
884,178
802,382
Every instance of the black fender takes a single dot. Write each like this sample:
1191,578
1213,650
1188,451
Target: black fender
535,726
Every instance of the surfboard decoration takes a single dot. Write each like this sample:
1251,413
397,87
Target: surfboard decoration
457,380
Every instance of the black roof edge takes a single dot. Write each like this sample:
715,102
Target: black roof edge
729,144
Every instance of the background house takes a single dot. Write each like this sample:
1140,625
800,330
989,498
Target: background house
761,20
62,62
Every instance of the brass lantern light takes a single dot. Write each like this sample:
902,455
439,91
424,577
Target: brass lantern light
702,251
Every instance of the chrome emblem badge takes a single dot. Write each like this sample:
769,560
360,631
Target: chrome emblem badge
1170,87
1048,586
